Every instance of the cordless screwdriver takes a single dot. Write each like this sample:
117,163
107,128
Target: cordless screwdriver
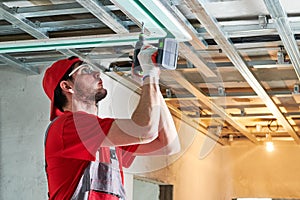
167,54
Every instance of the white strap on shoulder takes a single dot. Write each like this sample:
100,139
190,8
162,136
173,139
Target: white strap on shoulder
98,156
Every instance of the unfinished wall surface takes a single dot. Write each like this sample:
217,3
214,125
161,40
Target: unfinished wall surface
240,170
24,117
145,190
258,173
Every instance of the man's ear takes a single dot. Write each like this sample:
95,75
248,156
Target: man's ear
66,86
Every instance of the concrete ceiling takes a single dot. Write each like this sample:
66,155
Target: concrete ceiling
238,68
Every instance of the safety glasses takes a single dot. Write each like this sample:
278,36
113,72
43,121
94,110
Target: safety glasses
84,69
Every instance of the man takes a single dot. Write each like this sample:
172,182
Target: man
85,154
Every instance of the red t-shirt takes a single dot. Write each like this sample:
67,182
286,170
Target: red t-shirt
71,143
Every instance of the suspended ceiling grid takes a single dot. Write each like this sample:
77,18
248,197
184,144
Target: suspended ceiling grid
238,69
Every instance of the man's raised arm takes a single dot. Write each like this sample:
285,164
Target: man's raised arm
143,127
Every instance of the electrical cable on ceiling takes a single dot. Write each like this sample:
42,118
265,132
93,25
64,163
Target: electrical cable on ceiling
270,125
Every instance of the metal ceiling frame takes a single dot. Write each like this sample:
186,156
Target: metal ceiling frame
61,44
21,22
249,28
51,10
212,26
215,108
259,51
44,42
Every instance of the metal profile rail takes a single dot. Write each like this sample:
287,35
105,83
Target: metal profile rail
217,109
175,112
104,15
71,42
50,10
21,22
17,64
197,41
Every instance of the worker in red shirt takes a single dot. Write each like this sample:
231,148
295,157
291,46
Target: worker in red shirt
84,153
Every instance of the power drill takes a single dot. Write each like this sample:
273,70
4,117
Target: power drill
167,53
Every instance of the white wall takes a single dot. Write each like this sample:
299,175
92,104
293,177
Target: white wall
24,117
145,190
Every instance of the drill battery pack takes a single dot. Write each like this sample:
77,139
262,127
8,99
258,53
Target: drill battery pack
167,53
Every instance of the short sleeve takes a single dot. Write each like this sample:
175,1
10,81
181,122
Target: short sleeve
83,134
127,153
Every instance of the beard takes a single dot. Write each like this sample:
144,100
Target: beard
100,95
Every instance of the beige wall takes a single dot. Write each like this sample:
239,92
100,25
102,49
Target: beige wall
240,170
258,173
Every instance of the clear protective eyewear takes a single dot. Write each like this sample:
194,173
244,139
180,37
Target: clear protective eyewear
84,69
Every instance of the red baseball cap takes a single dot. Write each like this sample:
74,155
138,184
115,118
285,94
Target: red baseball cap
51,79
